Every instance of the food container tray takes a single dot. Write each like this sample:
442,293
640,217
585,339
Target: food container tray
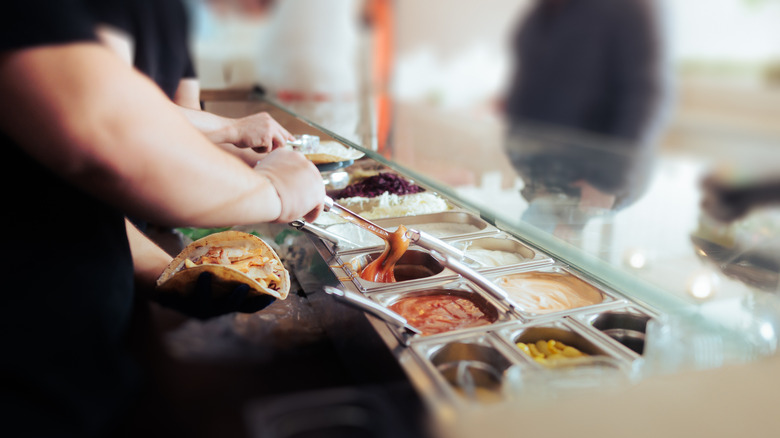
451,223
552,291
409,301
468,369
416,267
482,364
625,325
488,367
496,250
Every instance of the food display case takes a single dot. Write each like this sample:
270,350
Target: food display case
593,310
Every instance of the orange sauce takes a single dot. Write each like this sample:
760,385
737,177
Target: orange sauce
381,269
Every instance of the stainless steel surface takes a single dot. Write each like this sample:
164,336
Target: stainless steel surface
471,368
444,225
431,243
626,325
455,222
440,250
461,387
501,242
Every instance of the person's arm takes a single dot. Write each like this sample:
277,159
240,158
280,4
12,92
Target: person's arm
117,41
249,138
259,132
187,97
100,125
149,259
188,94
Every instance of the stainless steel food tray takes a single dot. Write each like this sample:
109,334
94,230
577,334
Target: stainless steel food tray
609,329
454,223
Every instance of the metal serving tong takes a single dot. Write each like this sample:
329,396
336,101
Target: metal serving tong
322,233
444,253
360,302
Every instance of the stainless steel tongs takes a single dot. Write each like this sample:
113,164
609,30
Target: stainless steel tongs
366,305
444,253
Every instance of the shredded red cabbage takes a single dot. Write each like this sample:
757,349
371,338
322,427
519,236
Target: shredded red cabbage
377,184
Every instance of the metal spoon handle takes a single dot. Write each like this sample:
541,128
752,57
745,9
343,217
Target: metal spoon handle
475,277
322,233
371,307
356,219
431,243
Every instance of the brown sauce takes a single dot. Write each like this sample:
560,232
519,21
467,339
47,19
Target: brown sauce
439,313
381,270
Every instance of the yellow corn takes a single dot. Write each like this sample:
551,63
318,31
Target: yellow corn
524,348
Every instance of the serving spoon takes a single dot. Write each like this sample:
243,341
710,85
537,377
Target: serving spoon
444,253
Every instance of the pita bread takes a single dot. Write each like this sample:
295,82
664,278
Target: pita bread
333,152
235,258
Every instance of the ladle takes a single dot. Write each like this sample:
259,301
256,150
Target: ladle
323,233
444,253
356,219
417,237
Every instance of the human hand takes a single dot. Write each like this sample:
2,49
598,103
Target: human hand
260,132
201,303
298,184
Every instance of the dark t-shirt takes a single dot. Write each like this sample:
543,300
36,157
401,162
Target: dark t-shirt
67,274
160,34
586,96
590,65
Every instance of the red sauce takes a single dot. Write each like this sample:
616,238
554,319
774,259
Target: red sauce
439,313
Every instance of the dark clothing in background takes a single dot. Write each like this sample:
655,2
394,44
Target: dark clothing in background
585,98
160,32
591,65
67,294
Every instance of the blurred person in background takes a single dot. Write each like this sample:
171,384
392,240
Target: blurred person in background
585,107
92,141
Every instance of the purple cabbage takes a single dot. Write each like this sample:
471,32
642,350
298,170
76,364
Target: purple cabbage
377,184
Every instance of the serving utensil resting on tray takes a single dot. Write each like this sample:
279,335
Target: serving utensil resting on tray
444,253
381,312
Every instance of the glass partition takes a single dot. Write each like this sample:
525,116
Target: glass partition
631,139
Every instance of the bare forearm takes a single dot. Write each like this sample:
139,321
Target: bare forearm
132,150
216,128
149,259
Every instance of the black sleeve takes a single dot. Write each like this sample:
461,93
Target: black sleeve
29,23
112,12
189,69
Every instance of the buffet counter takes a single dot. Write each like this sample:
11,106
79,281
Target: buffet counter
616,321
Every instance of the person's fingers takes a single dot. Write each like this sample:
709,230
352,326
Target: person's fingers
236,297
297,182
312,215
286,134
278,140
